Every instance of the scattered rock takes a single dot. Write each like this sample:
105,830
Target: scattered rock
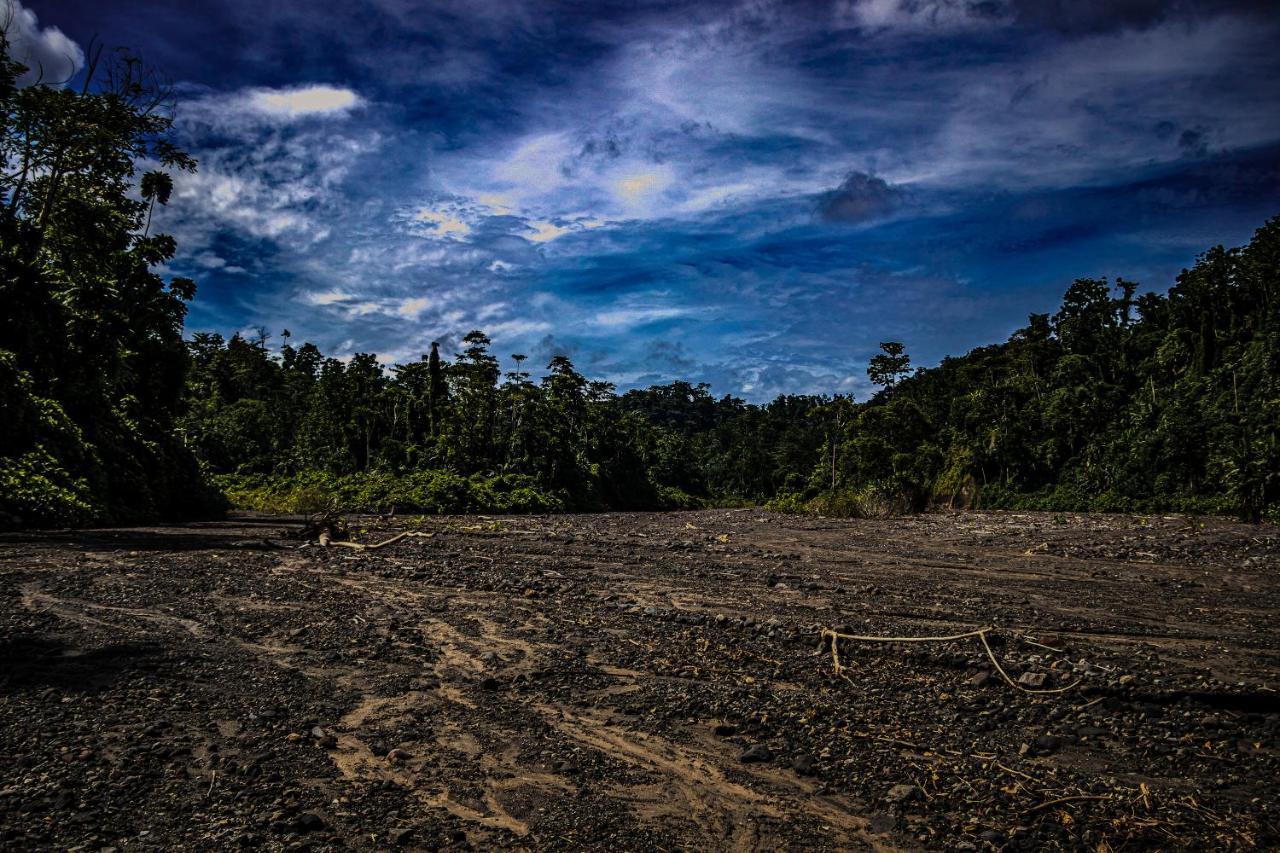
1033,680
289,643
1048,743
899,794
324,740
307,822
803,764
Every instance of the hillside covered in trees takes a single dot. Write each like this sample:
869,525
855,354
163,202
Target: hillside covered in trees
1116,401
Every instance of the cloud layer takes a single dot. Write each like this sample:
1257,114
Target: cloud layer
50,56
751,194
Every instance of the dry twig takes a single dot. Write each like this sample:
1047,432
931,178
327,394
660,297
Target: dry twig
981,633
1070,799
326,540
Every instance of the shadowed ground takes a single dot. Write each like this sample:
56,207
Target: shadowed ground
642,682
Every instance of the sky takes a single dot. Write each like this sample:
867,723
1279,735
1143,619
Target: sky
750,194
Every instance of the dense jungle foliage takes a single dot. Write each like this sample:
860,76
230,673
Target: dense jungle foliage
1118,401
92,361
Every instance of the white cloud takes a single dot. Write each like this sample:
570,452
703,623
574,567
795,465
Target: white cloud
544,232
326,297
501,204
920,14
209,261
534,165
413,307
638,192
652,144
49,55
715,196
1085,110
628,317
302,101
275,179
488,312
440,223
243,112
223,193
638,186
516,328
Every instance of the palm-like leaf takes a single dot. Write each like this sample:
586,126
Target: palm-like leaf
157,186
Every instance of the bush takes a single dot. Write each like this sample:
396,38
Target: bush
792,503
1070,497
36,490
864,502
670,497
424,492
54,473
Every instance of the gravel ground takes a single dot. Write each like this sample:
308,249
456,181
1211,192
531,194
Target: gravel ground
643,681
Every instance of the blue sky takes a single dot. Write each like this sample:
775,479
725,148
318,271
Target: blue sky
749,194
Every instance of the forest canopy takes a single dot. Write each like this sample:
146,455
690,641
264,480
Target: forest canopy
93,366
1118,400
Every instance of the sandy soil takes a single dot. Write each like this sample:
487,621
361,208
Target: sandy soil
646,681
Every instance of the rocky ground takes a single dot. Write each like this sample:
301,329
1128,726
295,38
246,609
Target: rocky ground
643,681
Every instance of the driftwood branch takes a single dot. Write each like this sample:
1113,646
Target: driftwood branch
981,633
326,540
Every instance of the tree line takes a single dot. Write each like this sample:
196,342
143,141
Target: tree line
291,429
1119,400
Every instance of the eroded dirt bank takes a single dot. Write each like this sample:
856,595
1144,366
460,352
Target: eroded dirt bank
643,682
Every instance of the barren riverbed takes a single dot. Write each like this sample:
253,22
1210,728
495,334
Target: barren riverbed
643,681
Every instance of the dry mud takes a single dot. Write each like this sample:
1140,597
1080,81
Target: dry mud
643,681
